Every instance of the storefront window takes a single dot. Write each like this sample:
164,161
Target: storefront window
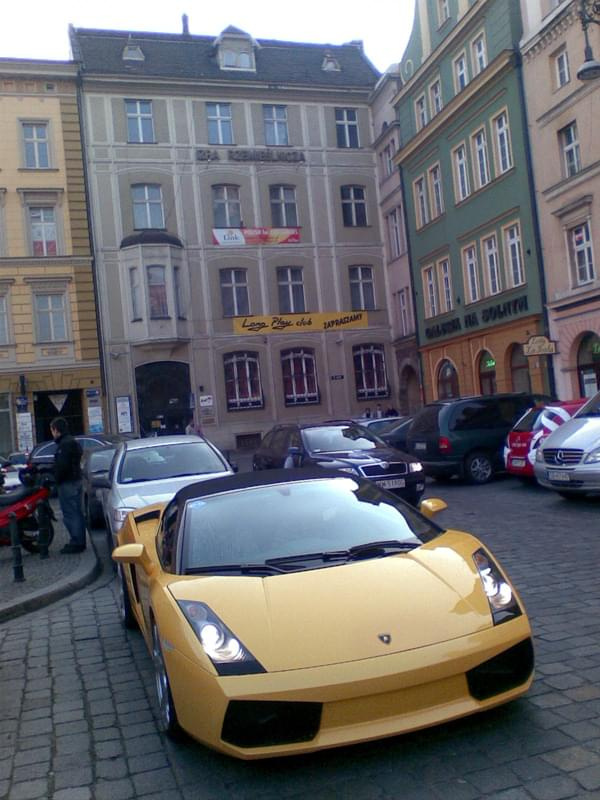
487,373
519,370
447,381
588,365
5,431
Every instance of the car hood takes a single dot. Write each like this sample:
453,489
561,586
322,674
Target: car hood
580,433
145,493
339,614
365,457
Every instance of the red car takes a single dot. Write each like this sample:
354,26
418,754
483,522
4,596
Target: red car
530,430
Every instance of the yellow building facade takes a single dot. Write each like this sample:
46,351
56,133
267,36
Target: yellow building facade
49,344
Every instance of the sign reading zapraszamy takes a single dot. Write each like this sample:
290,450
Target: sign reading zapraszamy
295,323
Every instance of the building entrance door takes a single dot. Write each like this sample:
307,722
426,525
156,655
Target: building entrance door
163,397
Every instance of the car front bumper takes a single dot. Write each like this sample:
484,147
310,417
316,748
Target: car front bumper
580,479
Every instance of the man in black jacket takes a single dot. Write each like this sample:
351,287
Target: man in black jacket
67,474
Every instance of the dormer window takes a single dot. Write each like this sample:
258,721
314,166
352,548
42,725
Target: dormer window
235,59
236,49
132,52
330,64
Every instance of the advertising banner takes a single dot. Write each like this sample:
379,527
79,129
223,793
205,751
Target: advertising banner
237,237
296,323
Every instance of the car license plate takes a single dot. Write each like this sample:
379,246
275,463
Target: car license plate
558,475
392,483
517,462
420,445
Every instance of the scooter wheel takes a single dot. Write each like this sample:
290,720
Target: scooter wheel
30,539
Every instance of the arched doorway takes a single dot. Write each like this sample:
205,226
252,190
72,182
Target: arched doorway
588,365
519,370
163,396
410,396
487,373
447,382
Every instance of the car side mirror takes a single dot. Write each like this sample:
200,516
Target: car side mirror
431,506
293,458
100,481
134,554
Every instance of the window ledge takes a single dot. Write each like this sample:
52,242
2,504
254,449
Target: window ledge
38,169
152,142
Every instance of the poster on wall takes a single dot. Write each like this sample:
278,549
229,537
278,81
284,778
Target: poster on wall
124,414
24,432
94,411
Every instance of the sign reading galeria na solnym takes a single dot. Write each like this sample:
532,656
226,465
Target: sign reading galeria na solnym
295,323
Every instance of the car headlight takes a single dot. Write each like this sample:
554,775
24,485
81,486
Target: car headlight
539,454
351,470
227,653
593,457
119,516
415,466
499,592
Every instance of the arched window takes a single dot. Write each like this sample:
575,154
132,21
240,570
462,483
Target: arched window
487,373
588,365
299,377
242,381
519,370
369,371
447,383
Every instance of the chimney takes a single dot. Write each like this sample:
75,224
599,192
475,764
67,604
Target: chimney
184,22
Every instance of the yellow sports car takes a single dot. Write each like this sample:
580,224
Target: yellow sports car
292,610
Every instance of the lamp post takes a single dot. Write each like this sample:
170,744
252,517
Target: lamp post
589,11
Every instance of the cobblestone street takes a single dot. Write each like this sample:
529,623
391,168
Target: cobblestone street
77,718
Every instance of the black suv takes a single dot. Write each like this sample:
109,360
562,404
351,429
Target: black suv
345,446
466,437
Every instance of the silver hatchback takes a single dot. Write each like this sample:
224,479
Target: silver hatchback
568,460
147,471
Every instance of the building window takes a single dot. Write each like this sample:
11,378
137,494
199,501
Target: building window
369,371
430,291
346,127
519,370
147,206
435,97
503,146
463,187
140,125
482,162
421,112
514,255
403,312
236,59
51,317
490,248
471,273
588,365
290,290
354,206
227,209
362,292
388,158
396,238
35,139
581,253
157,292
234,292
446,283
460,73
569,143
179,295
3,320
447,382
134,288
487,373
284,212
42,221
220,128
435,183
479,54
443,10
299,377
562,71
276,126
242,381
421,202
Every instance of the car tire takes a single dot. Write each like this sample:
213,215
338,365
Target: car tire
478,468
126,614
89,522
167,717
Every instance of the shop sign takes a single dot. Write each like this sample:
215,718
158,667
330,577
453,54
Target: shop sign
539,346
298,323
490,363
252,154
509,308
239,237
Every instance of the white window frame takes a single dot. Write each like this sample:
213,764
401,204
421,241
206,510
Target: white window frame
226,199
135,291
55,313
247,362
290,290
421,201
479,53
284,208
39,145
445,282
436,190
369,357
346,128
404,312
234,288
4,319
302,367
461,172
430,291
219,114
471,271
421,112
569,143
153,270
44,225
435,97
582,254
147,203
492,264
275,122
362,288
388,158
460,72
443,8
135,114
503,148
397,239
481,158
562,68
353,203
513,254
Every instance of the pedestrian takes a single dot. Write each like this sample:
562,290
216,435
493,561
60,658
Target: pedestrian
367,413
190,428
379,411
67,474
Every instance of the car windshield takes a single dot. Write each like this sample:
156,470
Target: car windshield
530,421
158,462
100,460
591,408
282,522
339,439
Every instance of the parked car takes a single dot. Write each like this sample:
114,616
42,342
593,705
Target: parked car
395,434
345,446
377,424
466,437
95,463
300,609
530,431
568,460
146,471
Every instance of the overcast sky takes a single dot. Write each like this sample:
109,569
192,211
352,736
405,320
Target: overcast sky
38,28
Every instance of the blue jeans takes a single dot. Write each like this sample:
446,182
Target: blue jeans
69,497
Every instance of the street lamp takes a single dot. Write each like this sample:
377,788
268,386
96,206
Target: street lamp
589,11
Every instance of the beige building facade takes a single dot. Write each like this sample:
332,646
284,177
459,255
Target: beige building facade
49,353
563,118
241,278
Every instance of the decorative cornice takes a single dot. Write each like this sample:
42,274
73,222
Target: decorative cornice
554,30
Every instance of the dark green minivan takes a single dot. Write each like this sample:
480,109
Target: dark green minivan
466,436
